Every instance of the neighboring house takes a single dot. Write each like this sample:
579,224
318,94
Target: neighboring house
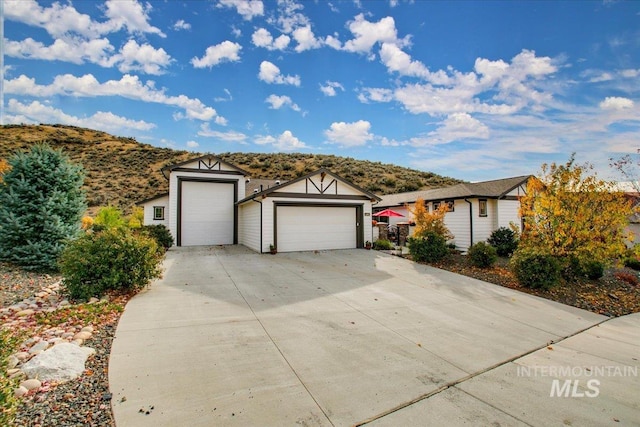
211,202
475,209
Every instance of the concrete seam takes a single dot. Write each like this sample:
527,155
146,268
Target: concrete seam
277,347
470,376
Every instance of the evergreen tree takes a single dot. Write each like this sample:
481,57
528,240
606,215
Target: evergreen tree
41,207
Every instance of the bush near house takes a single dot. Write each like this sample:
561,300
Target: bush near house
482,255
429,247
504,240
536,269
159,233
382,245
111,259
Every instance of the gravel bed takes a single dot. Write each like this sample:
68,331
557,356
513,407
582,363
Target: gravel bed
17,284
85,401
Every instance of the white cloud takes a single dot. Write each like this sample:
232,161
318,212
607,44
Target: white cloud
630,73
36,112
128,86
455,127
289,16
496,87
278,102
181,25
192,144
135,57
616,103
224,52
263,38
75,51
248,9
305,38
367,34
229,136
270,73
284,142
349,134
329,89
130,15
397,60
77,38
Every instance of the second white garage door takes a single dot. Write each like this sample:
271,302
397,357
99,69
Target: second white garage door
307,228
207,213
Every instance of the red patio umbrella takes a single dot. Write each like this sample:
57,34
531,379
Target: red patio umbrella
388,213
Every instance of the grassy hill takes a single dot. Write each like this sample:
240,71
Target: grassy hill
122,171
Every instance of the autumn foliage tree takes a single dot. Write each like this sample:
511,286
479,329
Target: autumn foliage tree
574,216
427,221
4,167
429,241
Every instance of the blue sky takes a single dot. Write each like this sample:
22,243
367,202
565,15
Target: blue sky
475,90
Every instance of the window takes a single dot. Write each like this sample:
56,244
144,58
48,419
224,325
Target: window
450,206
158,213
449,203
482,209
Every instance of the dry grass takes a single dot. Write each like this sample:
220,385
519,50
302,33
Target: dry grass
122,171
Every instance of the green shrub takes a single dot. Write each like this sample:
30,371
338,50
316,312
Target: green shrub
113,259
482,255
382,245
535,269
571,268
632,262
593,269
430,247
504,240
160,234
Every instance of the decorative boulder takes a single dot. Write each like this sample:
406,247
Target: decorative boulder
62,362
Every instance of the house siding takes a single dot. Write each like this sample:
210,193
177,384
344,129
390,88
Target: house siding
148,211
249,227
509,213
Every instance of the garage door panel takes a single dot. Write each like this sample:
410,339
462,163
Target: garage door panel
207,215
306,228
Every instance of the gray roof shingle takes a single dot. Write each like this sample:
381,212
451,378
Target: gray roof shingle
489,189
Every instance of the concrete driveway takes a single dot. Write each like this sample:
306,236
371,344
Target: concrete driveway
231,337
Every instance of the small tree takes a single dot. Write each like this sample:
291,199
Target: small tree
572,215
41,205
429,221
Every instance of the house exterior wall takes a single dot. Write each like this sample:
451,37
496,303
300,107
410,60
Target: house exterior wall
148,208
508,213
249,226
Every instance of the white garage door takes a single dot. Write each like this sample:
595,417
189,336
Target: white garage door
207,213
307,228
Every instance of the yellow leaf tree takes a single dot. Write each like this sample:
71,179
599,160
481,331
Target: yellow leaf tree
570,213
429,221
4,167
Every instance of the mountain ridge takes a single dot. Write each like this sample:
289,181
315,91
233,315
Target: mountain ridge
121,171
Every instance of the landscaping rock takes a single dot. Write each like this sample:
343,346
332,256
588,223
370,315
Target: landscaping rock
62,362
31,384
20,391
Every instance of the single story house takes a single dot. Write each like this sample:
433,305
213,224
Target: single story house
475,209
211,202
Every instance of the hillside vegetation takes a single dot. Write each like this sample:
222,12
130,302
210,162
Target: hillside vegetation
122,171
